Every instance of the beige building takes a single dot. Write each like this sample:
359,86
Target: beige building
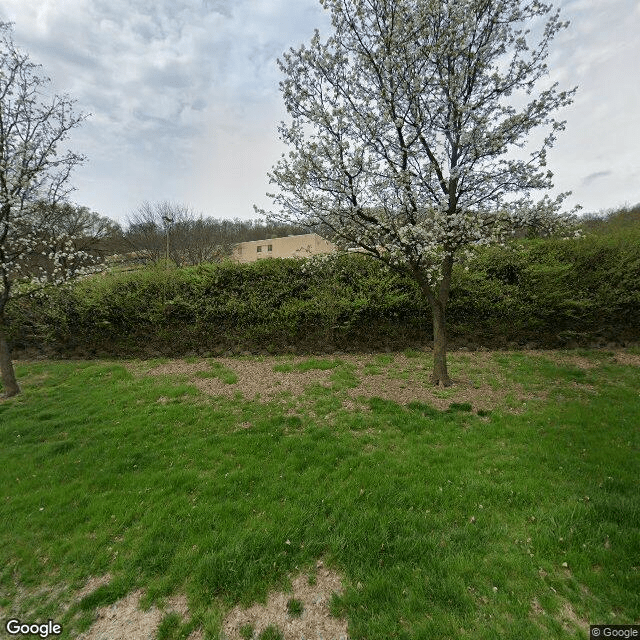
301,246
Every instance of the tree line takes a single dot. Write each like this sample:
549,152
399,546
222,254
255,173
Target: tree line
193,238
196,239
190,238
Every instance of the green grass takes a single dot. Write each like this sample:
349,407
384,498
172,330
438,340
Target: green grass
170,627
443,524
295,607
271,633
246,631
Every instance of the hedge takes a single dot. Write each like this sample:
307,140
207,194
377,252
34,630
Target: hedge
545,293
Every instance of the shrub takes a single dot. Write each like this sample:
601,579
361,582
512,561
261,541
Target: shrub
552,292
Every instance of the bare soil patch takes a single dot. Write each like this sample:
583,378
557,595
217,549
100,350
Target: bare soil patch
482,397
628,359
606,357
314,623
478,379
93,584
407,380
536,608
565,359
124,620
567,617
24,600
403,380
179,368
258,378
571,620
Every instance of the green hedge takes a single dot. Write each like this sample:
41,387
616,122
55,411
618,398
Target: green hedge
553,292
544,292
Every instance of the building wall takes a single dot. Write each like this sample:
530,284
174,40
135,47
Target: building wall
300,246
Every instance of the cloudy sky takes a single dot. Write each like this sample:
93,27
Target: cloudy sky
185,102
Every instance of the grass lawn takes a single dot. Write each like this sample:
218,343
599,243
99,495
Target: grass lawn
454,518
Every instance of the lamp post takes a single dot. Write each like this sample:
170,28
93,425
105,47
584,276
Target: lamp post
168,221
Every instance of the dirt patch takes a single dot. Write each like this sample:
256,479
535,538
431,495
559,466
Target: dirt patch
570,619
24,601
124,620
567,359
483,397
607,357
179,368
314,622
258,378
478,379
567,617
402,380
536,608
627,359
407,380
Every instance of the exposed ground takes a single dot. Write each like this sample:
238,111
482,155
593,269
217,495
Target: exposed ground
399,377
314,621
127,620
123,620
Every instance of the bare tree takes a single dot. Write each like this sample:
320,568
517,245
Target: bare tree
191,239
146,231
408,128
91,231
32,127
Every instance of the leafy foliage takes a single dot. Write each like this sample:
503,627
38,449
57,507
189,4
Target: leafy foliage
550,292
400,131
32,172
625,220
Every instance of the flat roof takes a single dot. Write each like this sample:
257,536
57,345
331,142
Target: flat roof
298,235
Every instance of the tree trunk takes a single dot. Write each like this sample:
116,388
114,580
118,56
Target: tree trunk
438,297
9,382
440,374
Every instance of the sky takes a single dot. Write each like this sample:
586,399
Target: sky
185,103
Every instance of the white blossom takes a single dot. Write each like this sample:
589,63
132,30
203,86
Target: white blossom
32,170
403,140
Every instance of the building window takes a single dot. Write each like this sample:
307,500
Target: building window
259,249
270,247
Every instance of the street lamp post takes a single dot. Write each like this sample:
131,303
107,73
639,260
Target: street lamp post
168,221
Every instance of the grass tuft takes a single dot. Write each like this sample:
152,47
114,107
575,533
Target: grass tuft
271,633
246,631
219,371
460,406
169,627
295,607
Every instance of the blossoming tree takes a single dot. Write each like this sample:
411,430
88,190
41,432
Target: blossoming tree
408,130
33,254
